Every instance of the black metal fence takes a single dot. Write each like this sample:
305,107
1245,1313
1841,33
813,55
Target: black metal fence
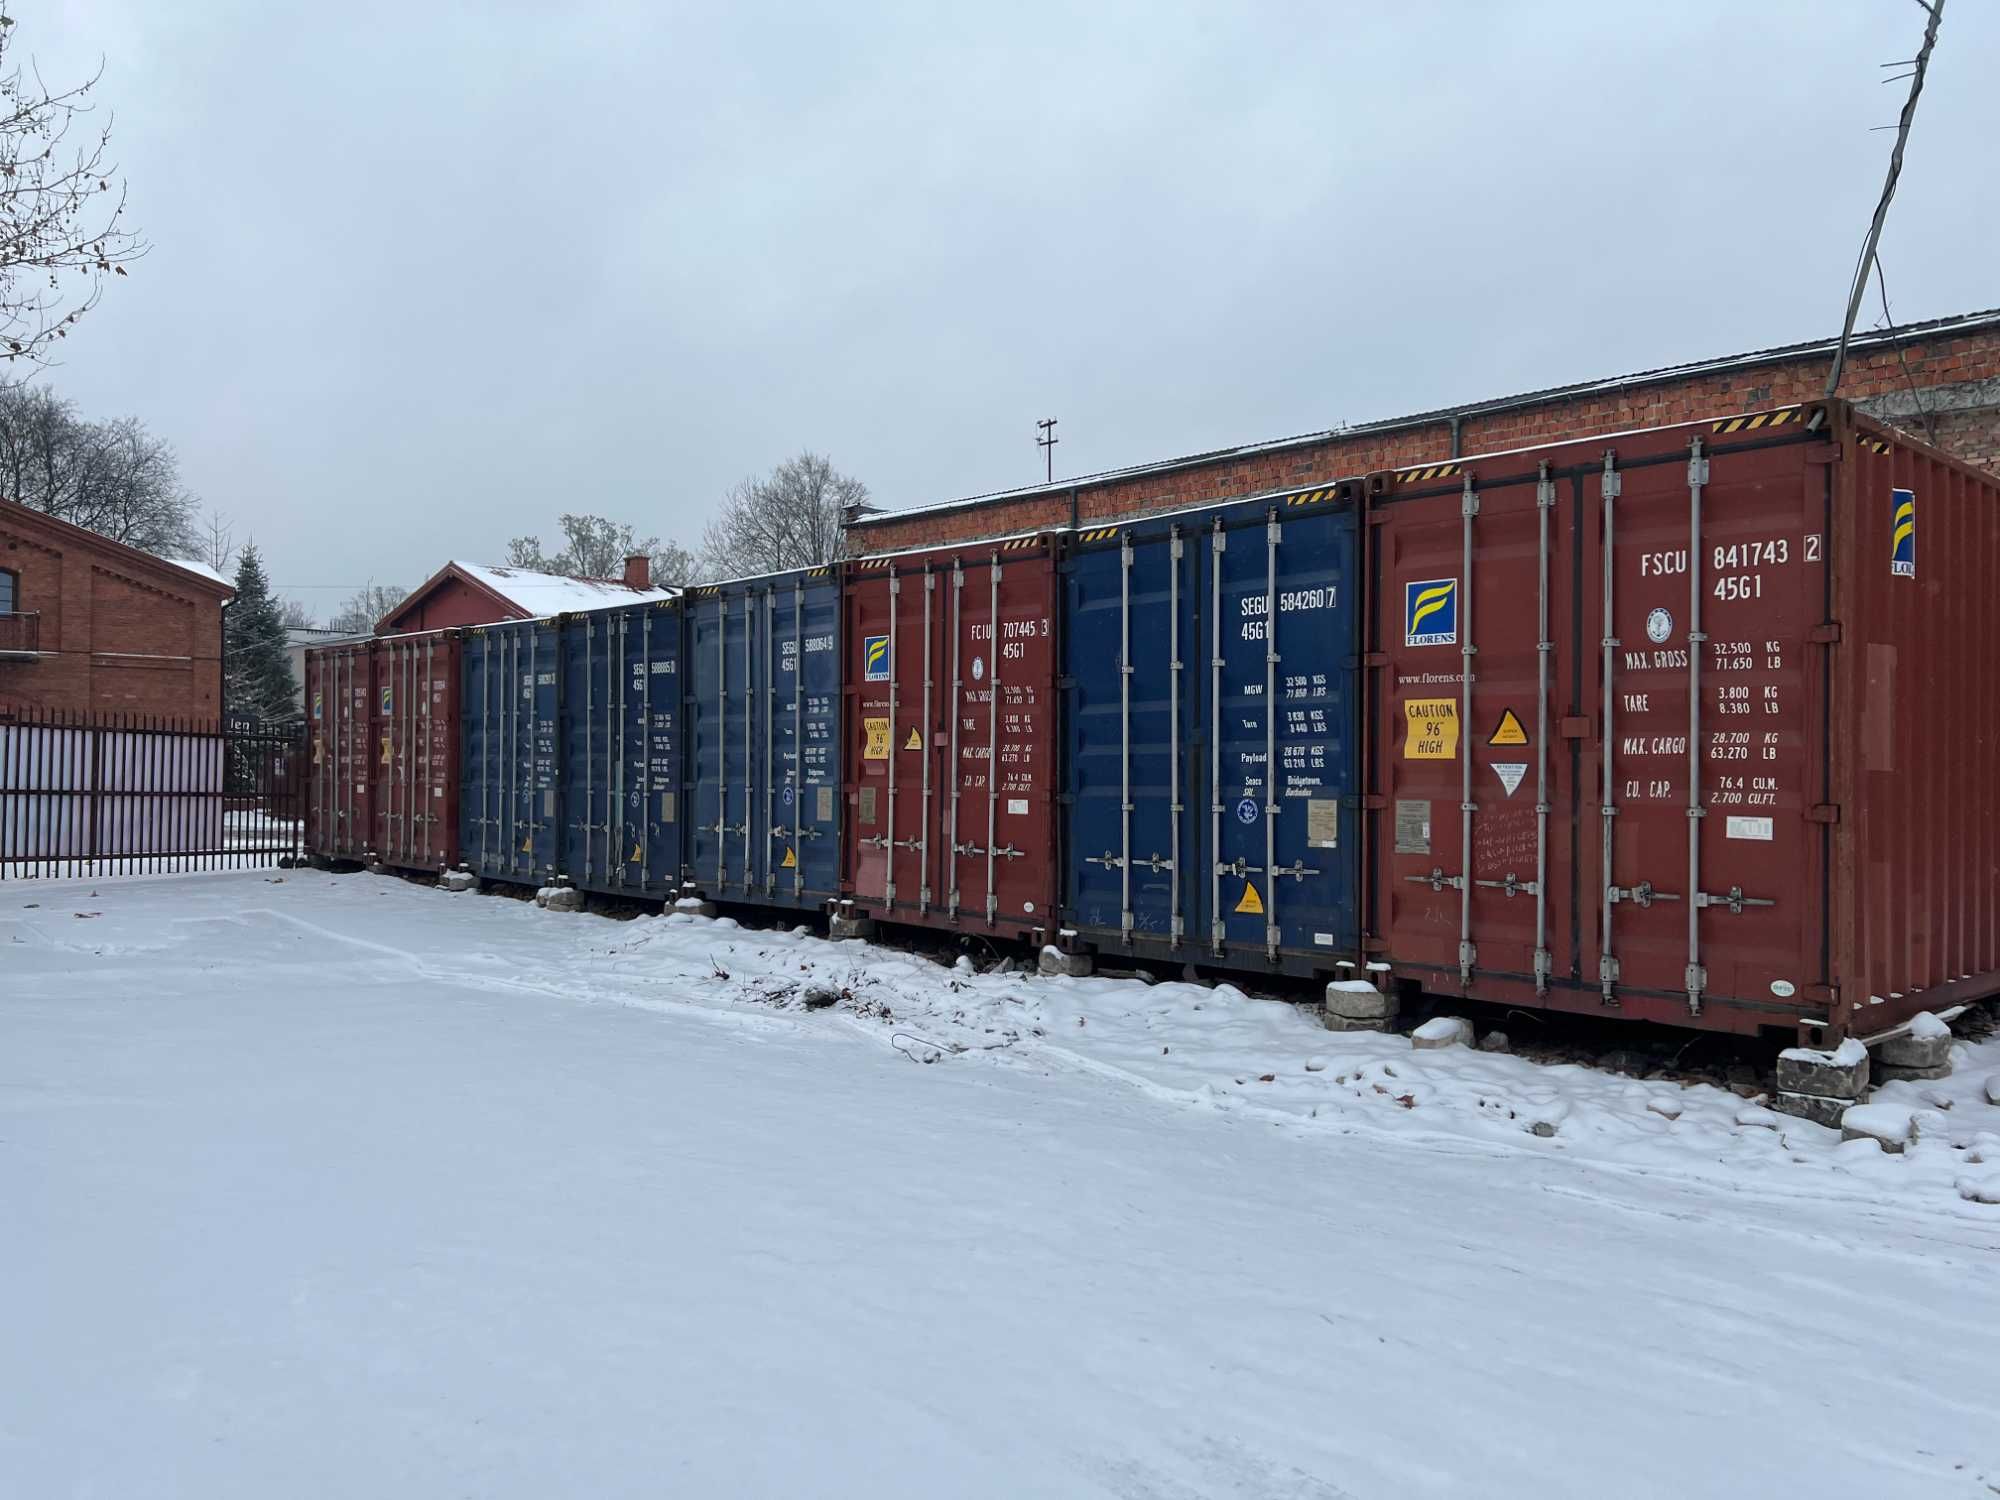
126,794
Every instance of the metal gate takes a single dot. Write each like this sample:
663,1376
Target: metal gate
87,795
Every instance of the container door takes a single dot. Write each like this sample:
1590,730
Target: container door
388,739
650,750
1281,720
590,730
484,701
1711,581
1000,824
1131,720
513,821
799,693
437,753
809,731
873,634
721,724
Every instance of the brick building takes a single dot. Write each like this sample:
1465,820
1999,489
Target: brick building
464,593
89,625
1938,380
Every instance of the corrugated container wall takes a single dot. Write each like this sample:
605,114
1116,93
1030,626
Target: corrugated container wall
510,795
762,674
1211,733
340,792
951,739
1681,726
414,740
621,755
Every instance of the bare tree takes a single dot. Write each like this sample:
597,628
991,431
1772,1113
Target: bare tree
114,478
296,614
367,605
789,519
217,541
596,547
62,229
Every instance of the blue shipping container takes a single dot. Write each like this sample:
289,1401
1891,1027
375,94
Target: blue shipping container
510,794
761,666
621,761
1211,733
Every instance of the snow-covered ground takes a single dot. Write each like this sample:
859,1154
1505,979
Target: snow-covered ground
332,1186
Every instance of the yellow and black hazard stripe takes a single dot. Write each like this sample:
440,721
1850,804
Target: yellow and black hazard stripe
1312,497
1874,444
1019,544
817,572
703,591
1761,420
1433,471
1100,534
873,562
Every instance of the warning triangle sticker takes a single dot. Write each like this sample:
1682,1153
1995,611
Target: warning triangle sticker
1510,773
1252,904
636,855
791,861
914,742
1510,732
528,844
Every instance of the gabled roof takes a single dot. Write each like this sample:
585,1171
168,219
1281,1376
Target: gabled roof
524,594
181,574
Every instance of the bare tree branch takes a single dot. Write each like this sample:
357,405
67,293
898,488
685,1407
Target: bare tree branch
789,519
62,222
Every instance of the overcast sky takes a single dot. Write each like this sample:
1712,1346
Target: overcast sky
426,274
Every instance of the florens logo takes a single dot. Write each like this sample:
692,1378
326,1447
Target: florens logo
1430,612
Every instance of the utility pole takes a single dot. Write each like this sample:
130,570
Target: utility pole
1918,65
1046,440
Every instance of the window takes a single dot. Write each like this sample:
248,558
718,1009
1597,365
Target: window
9,591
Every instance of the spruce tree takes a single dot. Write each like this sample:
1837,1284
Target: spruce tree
257,681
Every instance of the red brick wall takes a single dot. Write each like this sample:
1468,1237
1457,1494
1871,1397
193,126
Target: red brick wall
119,633
1944,361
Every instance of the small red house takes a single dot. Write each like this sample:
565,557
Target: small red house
462,593
89,625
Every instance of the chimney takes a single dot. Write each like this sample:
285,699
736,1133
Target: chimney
638,571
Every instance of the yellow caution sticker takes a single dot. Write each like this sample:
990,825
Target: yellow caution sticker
1510,731
528,844
1433,729
790,861
637,857
385,749
1252,904
914,742
877,746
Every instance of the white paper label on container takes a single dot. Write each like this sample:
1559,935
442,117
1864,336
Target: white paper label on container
1510,773
1323,939
1750,828
1017,806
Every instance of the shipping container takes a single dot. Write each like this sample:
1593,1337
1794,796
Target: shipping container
414,744
1689,725
510,792
951,740
621,750
1210,729
761,668
340,791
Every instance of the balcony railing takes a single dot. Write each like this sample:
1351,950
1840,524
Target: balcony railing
20,635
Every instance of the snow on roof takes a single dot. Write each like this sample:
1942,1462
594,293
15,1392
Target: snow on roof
552,594
201,570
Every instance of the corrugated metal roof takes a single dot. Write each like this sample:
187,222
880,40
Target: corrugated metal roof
1900,334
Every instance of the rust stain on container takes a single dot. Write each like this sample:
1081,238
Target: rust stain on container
1725,758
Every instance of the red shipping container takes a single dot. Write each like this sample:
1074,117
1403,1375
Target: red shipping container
415,739
1683,725
950,756
340,790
